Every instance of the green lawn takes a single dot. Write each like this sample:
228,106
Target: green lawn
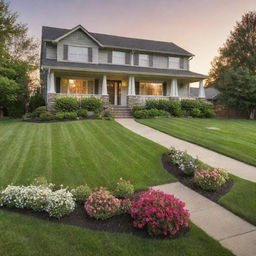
236,138
98,153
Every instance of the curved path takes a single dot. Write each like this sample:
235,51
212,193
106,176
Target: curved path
230,230
207,156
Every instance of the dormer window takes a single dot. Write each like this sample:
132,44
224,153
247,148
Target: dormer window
174,62
118,57
143,60
77,54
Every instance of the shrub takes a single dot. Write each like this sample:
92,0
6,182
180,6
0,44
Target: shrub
60,115
123,188
92,104
107,115
70,115
149,113
27,116
60,203
185,162
195,112
46,116
210,179
136,108
140,114
102,205
209,113
160,213
67,104
30,197
39,110
189,105
125,207
81,193
40,181
36,101
82,113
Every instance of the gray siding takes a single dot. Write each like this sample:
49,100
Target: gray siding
103,56
160,61
78,38
51,51
183,90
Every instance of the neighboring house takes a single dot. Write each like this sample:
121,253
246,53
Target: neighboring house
120,70
210,93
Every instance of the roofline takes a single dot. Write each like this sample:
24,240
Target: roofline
125,72
73,30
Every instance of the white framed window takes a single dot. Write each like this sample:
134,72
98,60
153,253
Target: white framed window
76,53
143,60
77,86
174,62
118,57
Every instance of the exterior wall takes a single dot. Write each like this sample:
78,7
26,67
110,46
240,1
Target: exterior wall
103,56
160,61
51,51
78,38
183,90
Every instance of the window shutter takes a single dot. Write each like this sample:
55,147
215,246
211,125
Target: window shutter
57,84
90,54
127,58
164,88
109,56
150,60
136,59
65,52
181,63
96,86
137,88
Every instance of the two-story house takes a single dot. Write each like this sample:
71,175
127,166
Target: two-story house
120,70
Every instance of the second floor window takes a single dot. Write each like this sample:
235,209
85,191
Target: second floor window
174,62
79,54
118,57
143,60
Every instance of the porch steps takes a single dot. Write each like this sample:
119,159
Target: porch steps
121,112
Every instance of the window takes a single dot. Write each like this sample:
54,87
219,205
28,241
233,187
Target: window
77,86
79,54
151,88
174,62
143,60
118,57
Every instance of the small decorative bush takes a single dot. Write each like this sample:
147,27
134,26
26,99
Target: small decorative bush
149,113
38,111
209,113
210,179
67,104
82,113
70,115
159,213
107,115
125,207
102,205
36,101
60,115
123,188
46,116
136,108
92,104
140,114
81,193
195,112
60,203
27,116
186,163
189,105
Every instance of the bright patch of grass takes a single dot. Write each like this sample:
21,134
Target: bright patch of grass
235,138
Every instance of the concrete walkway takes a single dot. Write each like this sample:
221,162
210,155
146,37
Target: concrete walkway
231,231
209,157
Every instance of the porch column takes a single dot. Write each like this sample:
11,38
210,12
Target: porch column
50,82
104,86
174,88
201,94
131,86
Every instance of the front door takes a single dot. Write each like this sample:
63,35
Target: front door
114,92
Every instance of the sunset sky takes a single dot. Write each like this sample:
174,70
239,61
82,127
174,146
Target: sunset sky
199,26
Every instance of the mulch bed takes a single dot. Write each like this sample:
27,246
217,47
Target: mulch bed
119,224
188,181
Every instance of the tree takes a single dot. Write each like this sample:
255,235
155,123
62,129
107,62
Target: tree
233,71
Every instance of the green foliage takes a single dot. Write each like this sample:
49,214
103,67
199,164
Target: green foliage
40,181
195,112
60,115
135,108
36,101
107,115
46,116
123,188
27,116
92,104
81,193
82,113
149,113
67,104
39,110
209,113
70,115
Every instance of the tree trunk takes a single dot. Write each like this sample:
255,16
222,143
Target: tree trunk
253,114
1,113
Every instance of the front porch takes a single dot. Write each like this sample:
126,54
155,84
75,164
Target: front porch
118,89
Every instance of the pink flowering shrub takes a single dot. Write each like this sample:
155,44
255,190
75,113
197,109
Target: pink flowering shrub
160,213
102,205
125,206
210,179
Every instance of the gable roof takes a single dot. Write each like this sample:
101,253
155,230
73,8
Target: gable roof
111,41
